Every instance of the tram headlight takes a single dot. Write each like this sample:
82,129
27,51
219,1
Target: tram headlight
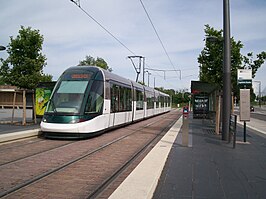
44,119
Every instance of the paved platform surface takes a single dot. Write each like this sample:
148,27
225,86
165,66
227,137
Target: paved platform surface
211,168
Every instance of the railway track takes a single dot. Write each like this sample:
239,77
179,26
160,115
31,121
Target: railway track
82,169
19,143
29,149
101,188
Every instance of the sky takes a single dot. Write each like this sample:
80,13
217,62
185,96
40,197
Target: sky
70,35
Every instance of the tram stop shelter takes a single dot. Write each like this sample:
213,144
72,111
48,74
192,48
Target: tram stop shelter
204,99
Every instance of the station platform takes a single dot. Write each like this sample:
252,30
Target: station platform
10,132
206,168
211,168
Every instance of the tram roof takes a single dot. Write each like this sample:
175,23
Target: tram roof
111,76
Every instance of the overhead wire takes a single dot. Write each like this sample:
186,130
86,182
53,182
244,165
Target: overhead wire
105,29
156,32
77,3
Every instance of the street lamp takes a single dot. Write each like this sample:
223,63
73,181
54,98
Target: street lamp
227,103
226,72
259,91
2,47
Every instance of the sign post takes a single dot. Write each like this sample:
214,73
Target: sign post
245,108
244,77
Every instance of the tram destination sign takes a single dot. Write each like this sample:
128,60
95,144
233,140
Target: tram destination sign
244,76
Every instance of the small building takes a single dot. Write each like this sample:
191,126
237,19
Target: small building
12,96
203,99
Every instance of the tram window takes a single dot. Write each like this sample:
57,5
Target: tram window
67,102
161,100
121,98
68,97
153,100
150,100
157,101
139,95
125,99
128,99
72,87
95,98
167,101
114,98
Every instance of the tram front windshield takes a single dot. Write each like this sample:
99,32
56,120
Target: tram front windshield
68,94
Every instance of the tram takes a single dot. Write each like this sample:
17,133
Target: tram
88,100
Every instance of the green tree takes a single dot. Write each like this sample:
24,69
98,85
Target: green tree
249,61
90,61
25,63
2,81
211,59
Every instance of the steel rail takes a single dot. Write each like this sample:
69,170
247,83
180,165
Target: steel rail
37,153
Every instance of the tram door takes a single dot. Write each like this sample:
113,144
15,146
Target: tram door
121,104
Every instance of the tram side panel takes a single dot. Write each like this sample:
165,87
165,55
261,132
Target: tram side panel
119,101
149,94
121,104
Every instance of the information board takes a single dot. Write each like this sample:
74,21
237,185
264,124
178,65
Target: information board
244,76
244,104
201,104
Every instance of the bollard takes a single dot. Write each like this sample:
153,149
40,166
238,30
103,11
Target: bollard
185,127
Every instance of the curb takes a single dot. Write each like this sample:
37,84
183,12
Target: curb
138,186
251,127
19,135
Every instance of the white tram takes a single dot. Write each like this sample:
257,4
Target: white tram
89,100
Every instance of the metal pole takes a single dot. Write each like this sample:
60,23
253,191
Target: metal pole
226,73
260,93
138,70
14,103
235,122
259,96
143,70
24,107
149,78
245,131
